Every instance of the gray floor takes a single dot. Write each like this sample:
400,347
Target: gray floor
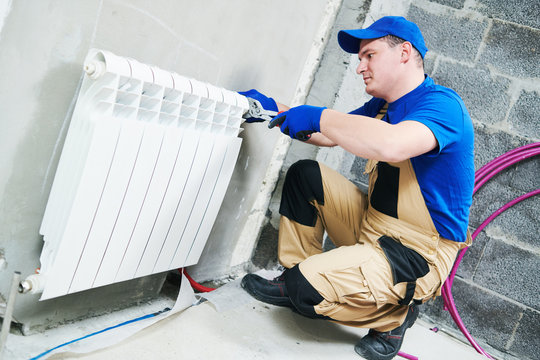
259,331
232,325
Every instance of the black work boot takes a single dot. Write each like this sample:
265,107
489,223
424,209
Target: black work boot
269,291
385,345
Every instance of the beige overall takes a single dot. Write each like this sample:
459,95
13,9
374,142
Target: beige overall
355,279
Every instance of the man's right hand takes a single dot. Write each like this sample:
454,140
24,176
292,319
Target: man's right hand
267,102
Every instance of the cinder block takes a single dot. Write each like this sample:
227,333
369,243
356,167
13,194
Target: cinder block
473,254
447,34
490,198
434,309
357,172
486,97
518,223
510,271
265,256
519,11
512,49
489,318
328,244
429,62
524,114
458,4
525,342
526,174
521,221
491,142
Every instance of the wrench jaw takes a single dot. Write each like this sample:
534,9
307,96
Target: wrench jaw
256,110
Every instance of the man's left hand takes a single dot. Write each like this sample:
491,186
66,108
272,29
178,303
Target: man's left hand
299,122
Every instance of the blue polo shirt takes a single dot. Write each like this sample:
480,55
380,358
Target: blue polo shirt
445,174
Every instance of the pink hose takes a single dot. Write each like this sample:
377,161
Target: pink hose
407,356
481,177
501,158
488,171
498,167
447,294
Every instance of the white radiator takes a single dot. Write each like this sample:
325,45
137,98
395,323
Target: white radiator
144,169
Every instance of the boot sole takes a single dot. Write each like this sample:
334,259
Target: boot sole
373,355
272,300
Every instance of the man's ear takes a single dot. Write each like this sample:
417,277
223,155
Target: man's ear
406,51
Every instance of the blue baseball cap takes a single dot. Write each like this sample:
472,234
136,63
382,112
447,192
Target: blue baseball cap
349,40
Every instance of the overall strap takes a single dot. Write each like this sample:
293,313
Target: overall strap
372,163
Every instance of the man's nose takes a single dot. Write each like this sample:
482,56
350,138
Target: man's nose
360,68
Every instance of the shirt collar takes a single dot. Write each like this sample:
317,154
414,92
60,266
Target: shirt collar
399,103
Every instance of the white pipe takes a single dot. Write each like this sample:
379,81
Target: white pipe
6,324
33,284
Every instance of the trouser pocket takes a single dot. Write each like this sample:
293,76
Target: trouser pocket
406,265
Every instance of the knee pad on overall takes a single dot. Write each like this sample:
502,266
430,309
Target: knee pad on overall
302,294
303,184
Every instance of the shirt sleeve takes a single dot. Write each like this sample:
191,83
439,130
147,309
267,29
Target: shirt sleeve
444,115
370,108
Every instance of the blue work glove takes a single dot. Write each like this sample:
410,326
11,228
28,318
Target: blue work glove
299,122
267,103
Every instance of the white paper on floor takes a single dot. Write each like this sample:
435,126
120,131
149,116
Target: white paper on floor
186,298
231,295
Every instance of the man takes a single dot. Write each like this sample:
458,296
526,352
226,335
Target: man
395,245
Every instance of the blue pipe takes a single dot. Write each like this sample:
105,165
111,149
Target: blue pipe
101,331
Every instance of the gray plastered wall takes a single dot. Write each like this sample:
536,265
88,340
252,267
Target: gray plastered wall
488,51
236,45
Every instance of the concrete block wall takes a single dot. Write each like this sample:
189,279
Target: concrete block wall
488,51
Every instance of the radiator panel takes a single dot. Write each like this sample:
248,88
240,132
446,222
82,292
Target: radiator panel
144,169
211,210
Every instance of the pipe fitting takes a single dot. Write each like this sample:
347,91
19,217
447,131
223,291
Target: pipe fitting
94,69
33,284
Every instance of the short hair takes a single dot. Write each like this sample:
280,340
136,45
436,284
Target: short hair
393,41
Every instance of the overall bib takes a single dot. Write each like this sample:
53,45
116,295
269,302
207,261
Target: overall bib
388,253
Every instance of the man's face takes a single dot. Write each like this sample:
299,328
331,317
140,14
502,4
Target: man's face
378,66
